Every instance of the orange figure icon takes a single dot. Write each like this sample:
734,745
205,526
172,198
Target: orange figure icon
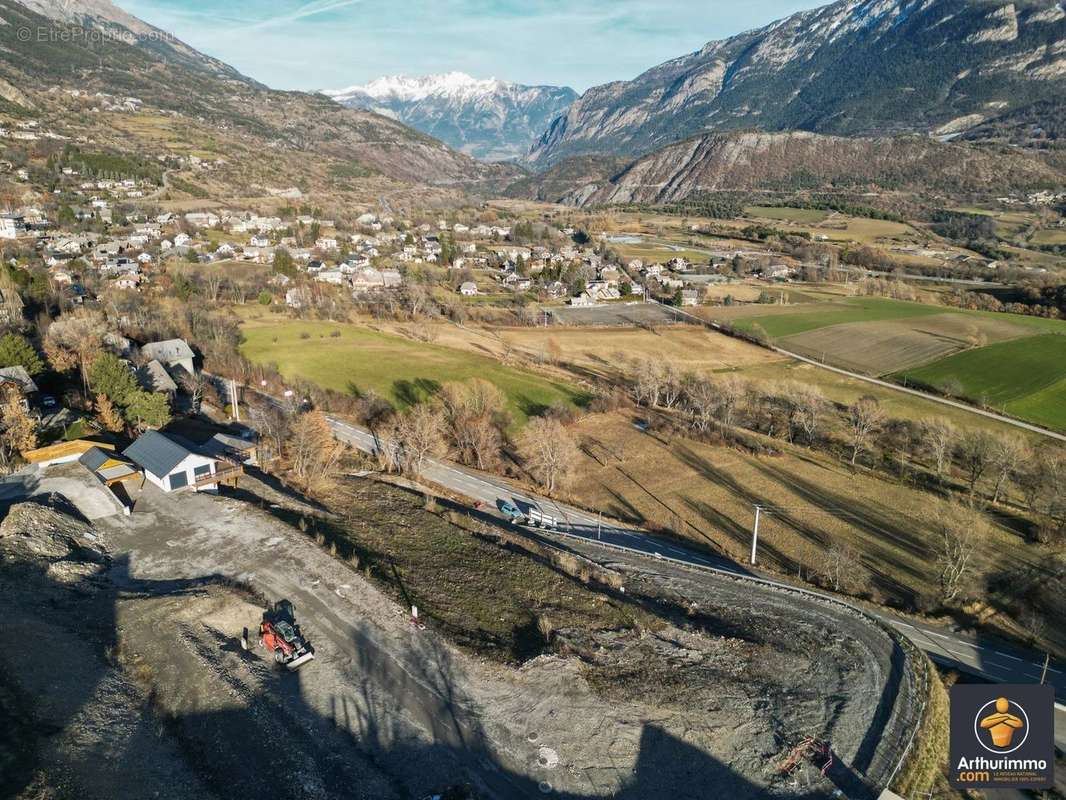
1002,724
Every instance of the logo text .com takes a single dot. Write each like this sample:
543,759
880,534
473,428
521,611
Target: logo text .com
79,34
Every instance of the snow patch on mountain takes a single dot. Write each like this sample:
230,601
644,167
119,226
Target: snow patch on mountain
487,118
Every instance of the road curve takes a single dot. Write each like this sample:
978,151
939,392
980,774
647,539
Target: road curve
992,660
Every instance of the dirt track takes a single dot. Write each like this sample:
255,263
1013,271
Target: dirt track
388,710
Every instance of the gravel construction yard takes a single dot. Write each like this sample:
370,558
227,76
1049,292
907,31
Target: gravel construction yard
130,673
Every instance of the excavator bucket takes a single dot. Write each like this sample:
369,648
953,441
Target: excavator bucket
299,661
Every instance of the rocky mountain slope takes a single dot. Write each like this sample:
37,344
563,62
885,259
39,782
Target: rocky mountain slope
853,67
792,161
490,119
42,57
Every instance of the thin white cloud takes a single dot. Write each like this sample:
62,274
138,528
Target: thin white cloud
307,10
312,44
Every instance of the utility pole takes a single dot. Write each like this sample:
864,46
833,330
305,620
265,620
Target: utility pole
234,401
755,534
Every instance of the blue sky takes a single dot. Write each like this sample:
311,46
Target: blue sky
315,44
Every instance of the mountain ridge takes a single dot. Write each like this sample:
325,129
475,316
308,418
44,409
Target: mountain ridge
489,119
148,67
789,161
854,67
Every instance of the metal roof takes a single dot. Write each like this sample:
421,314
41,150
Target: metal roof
154,377
94,458
158,454
168,351
19,375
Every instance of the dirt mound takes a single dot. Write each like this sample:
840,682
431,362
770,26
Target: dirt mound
73,723
46,536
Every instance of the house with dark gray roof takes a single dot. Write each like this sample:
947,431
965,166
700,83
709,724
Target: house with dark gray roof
153,377
173,464
18,378
171,353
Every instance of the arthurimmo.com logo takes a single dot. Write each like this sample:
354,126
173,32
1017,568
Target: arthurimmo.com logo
1002,736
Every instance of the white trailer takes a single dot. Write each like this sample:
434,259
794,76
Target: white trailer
537,518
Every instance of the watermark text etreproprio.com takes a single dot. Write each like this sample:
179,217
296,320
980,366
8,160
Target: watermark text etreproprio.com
82,35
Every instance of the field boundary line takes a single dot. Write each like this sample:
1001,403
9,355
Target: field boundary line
1017,423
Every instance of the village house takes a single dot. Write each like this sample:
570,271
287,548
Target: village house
468,289
11,226
202,219
171,353
517,282
153,377
333,276
19,379
173,464
130,282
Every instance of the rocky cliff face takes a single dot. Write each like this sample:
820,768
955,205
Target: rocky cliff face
854,67
797,160
488,119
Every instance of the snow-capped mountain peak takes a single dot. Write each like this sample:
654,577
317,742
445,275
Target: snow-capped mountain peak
411,89
487,118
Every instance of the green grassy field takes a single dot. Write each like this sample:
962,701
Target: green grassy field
1025,377
403,371
1050,236
808,215
855,309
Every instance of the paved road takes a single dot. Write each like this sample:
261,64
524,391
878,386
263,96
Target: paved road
994,661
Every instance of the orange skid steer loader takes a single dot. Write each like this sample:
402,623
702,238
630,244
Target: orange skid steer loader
279,633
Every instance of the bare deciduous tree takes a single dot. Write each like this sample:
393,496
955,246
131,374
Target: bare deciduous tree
272,425
975,455
475,417
701,401
672,385
647,383
865,416
195,385
731,392
419,435
957,538
549,451
313,452
1042,481
1008,453
812,406
939,437
842,567
75,340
